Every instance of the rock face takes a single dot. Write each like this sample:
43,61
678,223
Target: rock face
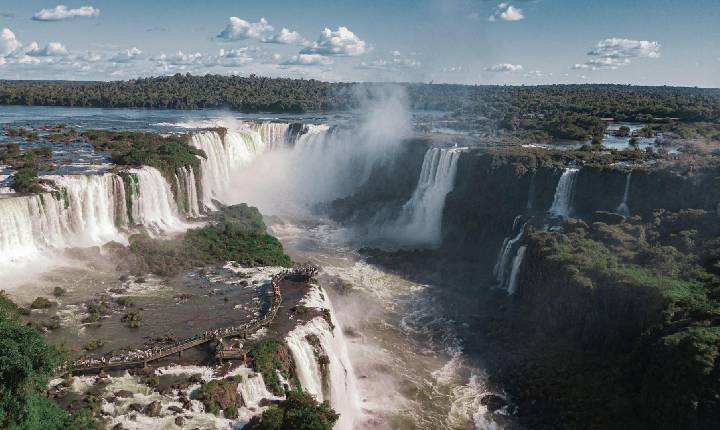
388,187
153,409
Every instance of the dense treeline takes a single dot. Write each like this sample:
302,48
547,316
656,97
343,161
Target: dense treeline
26,365
254,93
249,94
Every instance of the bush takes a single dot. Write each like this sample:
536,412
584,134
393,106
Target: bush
269,356
299,411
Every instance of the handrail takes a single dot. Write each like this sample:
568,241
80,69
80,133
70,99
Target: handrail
305,272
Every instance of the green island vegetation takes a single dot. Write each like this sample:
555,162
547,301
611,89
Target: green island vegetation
268,357
136,148
239,235
26,365
299,410
26,164
660,352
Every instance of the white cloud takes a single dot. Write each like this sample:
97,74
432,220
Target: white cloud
308,60
127,55
8,42
534,74
393,64
341,42
502,68
626,48
52,49
238,57
180,59
507,12
239,29
286,37
61,12
613,53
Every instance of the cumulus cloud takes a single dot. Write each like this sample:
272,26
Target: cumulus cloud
61,12
504,68
341,42
308,60
8,42
127,55
239,29
180,59
613,53
286,37
396,62
52,49
507,12
626,48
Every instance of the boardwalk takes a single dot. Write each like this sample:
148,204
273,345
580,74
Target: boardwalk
142,357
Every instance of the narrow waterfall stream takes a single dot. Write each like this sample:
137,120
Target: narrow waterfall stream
623,208
562,202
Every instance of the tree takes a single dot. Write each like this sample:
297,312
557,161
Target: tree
623,131
300,411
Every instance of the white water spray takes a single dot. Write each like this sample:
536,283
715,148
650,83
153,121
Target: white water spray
517,263
500,271
335,380
623,208
562,203
420,221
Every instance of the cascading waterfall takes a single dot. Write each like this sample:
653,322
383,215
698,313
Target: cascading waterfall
224,156
501,269
154,206
252,389
421,218
87,211
187,191
531,191
623,208
517,262
96,209
274,134
562,202
335,380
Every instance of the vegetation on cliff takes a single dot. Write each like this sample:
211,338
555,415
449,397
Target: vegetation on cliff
645,296
26,365
270,356
239,235
299,411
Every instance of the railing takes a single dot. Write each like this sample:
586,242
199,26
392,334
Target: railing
299,272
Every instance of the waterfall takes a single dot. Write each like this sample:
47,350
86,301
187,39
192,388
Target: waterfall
252,389
517,262
421,218
334,379
187,191
87,211
154,205
500,270
224,157
623,208
562,202
96,209
312,135
273,134
531,191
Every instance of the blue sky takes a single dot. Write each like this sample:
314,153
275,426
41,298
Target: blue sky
649,42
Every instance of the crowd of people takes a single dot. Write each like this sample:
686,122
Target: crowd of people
304,270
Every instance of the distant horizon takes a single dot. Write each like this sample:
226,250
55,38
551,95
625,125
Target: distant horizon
77,81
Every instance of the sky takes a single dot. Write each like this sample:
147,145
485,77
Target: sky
643,42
